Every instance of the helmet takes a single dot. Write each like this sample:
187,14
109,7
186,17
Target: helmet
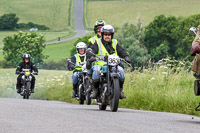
25,56
81,45
98,23
108,29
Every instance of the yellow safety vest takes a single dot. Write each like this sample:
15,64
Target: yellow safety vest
103,52
93,39
78,61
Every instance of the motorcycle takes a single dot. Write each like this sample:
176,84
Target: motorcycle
26,83
84,87
109,85
192,31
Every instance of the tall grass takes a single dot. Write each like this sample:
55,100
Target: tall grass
166,86
118,12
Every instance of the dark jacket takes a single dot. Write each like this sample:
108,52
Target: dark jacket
30,65
120,51
73,59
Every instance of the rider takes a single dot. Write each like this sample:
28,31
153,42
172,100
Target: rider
97,29
26,64
104,46
78,58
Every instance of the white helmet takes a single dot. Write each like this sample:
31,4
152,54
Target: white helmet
81,45
107,29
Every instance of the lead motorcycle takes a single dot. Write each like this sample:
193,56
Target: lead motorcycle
84,88
109,85
26,83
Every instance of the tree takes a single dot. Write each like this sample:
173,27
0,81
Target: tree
158,37
130,37
21,43
8,21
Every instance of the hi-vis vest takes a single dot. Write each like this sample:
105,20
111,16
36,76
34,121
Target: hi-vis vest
78,61
103,52
93,39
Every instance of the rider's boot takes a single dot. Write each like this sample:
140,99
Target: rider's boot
95,87
74,94
90,78
32,85
121,95
18,87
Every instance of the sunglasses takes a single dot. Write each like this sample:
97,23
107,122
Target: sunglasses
107,34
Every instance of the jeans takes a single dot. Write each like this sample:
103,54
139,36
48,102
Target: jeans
96,70
75,78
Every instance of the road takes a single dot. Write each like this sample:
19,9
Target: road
78,22
37,116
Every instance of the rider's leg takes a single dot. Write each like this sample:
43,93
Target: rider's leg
75,84
122,78
18,85
32,84
95,80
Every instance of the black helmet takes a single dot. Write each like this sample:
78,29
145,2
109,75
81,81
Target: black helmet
25,56
98,23
107,29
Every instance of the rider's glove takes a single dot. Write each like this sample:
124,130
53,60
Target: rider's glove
17,72
92,59
22,72
127,59
35,73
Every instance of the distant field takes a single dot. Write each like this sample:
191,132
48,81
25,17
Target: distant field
56,52
52,13
49,36
118,12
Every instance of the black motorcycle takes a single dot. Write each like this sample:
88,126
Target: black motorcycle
84,88
26,83
109,86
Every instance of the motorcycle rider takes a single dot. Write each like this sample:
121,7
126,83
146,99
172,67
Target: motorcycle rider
26,64
78,58
106,45
97,29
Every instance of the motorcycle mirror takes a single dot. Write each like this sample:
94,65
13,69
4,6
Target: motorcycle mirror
89,51
192,31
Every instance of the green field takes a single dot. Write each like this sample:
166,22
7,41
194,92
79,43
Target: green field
52,13
118,12
49,35
56,52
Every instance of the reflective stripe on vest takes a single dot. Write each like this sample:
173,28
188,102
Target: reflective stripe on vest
103,52
93,39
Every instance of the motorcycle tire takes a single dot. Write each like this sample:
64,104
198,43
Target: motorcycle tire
80,95
87,97
114,101
102,107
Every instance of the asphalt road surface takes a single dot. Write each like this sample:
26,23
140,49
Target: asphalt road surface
37,116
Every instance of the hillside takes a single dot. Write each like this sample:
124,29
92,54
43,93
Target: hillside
120,11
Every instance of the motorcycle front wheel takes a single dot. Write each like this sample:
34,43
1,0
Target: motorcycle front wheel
80,95
114,101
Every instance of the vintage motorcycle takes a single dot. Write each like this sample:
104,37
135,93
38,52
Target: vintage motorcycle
192,31
84,87
109,85
26,83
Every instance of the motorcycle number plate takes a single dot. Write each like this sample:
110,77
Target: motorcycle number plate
27,73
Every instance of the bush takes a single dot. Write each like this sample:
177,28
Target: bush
31,25
8,21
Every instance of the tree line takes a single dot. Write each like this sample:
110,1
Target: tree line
10,22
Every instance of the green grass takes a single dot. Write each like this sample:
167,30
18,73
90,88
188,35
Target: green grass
118,12
52,13
56,52
157,89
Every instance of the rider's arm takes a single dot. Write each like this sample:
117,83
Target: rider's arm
121,51
19,68
71,66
